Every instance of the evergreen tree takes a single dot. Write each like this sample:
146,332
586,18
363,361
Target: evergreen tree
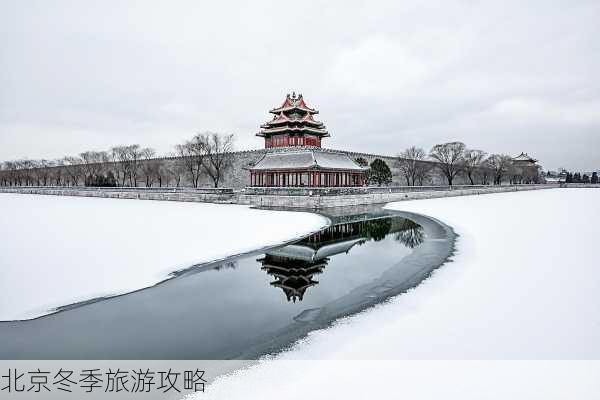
594,177
379,173
585,178
110,181
576,177
362,162
569,178
377,229
101,180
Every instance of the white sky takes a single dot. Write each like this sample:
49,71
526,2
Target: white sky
506,77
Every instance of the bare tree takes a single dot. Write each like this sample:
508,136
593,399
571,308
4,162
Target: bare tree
147,166
26,167
74,169
485,172
128,162
14,172
449,157
134,156
26,172
36,171
176,168
532,174
423,173
93,163
30,173
4,175
44,171
147,153
499,164
57,173
119,156
472,163
413,166
191,154
216,159
11,171
161,173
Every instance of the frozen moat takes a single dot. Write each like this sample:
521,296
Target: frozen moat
246,306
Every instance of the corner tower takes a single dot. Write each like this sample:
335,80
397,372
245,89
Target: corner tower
296,157
293,125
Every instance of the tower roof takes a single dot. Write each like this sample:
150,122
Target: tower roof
283,119
307,160
293,117
524,157
306,253
294,102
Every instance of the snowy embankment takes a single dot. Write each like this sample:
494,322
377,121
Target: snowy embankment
61,250
524,284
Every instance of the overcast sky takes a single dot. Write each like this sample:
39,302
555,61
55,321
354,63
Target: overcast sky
503,77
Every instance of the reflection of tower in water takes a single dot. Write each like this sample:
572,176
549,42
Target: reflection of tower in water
291,275
295,266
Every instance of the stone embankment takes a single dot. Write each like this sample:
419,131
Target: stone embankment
204,195
308,198
326,198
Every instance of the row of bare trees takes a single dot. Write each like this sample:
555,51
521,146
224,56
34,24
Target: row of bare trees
120,165
132,165
454,158
206,153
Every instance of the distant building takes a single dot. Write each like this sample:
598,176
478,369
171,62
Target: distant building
525,169
555,179
559,176
524,160
301,161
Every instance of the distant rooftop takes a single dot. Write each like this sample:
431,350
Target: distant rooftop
524,157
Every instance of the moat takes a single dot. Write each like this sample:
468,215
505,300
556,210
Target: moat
246,306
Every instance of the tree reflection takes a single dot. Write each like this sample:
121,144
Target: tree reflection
410,234
378,229
226,265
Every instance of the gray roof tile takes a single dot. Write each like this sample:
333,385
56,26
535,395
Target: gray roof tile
307,159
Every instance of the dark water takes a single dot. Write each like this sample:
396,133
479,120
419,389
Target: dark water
246,306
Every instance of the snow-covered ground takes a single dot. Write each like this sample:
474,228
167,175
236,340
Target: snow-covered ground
59,250
524,284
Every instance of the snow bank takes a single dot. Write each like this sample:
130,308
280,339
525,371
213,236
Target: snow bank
524,284
414,380
59,250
